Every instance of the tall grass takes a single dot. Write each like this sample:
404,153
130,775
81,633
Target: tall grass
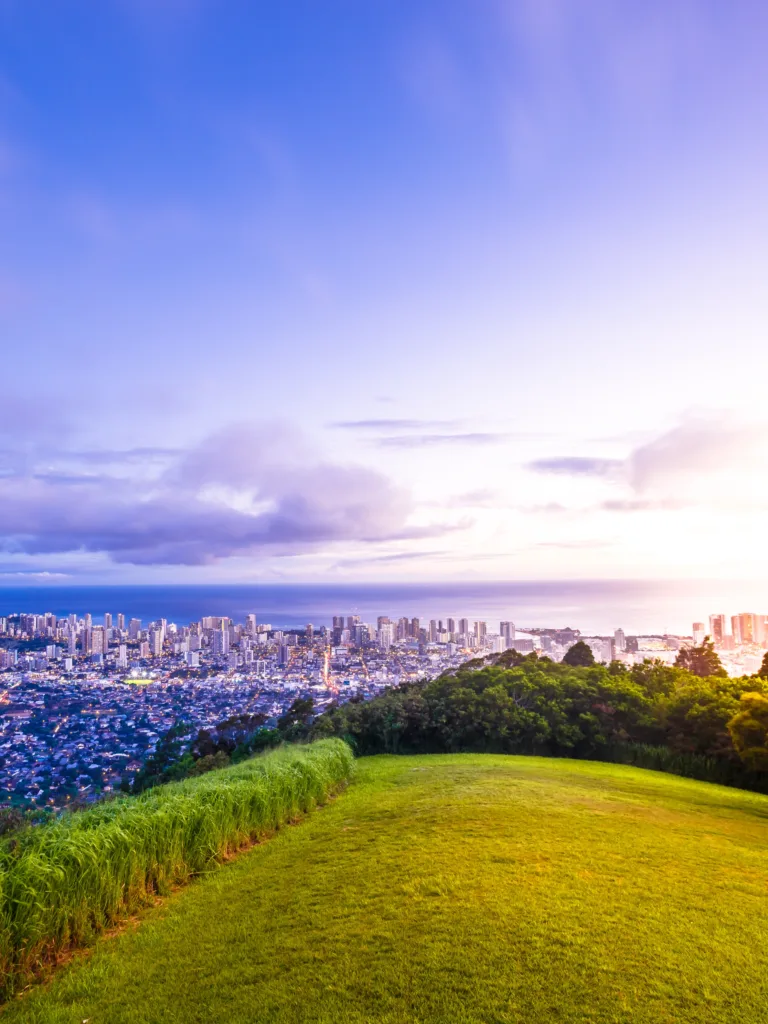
62,883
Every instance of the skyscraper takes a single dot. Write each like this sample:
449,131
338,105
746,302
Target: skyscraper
220,643
747,627
507,630
107,620
717,629
620,640
699,632
250,624
156,642
464,626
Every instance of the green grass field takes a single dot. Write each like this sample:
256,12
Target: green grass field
459,888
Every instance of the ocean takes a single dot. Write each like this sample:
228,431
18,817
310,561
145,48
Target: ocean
593,606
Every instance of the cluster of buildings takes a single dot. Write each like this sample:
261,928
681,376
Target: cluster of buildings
740,640
83,703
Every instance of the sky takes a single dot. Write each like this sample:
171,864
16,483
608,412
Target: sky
362,290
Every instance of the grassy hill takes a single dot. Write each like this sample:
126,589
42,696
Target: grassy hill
459,888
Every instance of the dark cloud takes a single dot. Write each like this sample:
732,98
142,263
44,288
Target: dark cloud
241,491
571,465
434,440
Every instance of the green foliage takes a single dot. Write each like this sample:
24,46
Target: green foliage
763,673
749,730
539,707
209,763
63,882
468,889
166,763
579,656
701,661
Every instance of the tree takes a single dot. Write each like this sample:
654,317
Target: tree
701,661
579,656
763,673
749,731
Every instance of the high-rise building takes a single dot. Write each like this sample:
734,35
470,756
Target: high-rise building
107,620
432,634
86,641
699,632
736,628
156,642
134,628
384,635
220,643
464,626
120,621
338,622
451,625
481,629
415,629
309,631
283,655
747,627
250,624
88,621
98,640
620,641
122,656
352,621
717,629
507,630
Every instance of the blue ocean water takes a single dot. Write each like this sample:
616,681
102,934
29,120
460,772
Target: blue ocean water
594,606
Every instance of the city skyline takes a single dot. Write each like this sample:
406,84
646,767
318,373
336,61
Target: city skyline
457,291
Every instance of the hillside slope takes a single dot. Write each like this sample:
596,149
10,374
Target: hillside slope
460,888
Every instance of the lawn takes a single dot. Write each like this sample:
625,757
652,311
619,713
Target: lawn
468,888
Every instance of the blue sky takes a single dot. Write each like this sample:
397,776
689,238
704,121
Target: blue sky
371,290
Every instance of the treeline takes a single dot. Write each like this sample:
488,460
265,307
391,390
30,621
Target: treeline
689,719
711,727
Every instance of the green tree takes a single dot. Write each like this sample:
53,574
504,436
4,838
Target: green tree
749,731
702,661
763,673
579,656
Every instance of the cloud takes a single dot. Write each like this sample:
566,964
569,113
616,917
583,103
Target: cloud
716,459
400,556
698,447
395,424
575,545
433,440
248,489
572,465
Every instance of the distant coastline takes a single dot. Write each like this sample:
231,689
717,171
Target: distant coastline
593,606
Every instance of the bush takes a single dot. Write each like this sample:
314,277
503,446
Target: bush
62,883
